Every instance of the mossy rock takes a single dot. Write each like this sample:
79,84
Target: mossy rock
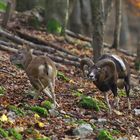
89,103
2,90
105,135
53,26
3,133
17,110
15,134
121,93
40,110
46,104
62,76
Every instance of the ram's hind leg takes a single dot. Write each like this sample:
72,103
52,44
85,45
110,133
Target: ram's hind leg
127,90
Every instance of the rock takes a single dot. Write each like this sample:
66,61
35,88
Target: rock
101,120
137,111
123,138
83,130
53,112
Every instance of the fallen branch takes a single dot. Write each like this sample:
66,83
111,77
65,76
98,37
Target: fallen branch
36,46
41,42
36,52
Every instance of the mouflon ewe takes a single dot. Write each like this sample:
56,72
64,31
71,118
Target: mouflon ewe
41,71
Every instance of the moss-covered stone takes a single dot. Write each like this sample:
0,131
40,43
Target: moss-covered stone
15,134
105,135
61,76
46,104
40,110
89,103
2,90
17,110
3,133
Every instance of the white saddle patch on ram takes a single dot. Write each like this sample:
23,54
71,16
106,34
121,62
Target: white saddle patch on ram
120,61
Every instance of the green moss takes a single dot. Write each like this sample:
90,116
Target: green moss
40,110
18,111
115,132
137,65
61,76
89,103
53,26
80,122
15,134
121,93
2,90
3,133
46,104
101,104
77,94
104,135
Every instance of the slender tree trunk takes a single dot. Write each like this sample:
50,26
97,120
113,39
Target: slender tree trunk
6,15
118,24
107,9
124,33
98,28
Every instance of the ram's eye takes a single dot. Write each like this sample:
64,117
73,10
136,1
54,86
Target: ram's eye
99,69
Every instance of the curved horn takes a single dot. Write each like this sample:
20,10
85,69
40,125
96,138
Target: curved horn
106,62
86,61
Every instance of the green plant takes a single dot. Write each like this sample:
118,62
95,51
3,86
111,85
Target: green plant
15,134
121,93
2,5
17,110
89,103
77,94
105,135
61,76
3,133
2,90
137,65
40,110
53,26
46,104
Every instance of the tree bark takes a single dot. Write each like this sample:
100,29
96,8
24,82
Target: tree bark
6,15
107,9
98,28
118,24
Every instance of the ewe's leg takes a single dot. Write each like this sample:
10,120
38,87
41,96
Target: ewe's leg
52,88
107,101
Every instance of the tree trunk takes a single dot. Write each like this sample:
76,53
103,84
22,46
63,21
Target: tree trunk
118,24
107,7
23,5
86,17
75,23
98,28
57,10
124,33
6,15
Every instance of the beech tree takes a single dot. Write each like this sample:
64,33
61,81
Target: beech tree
98,27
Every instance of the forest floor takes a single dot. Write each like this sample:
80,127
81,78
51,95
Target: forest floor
16,100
